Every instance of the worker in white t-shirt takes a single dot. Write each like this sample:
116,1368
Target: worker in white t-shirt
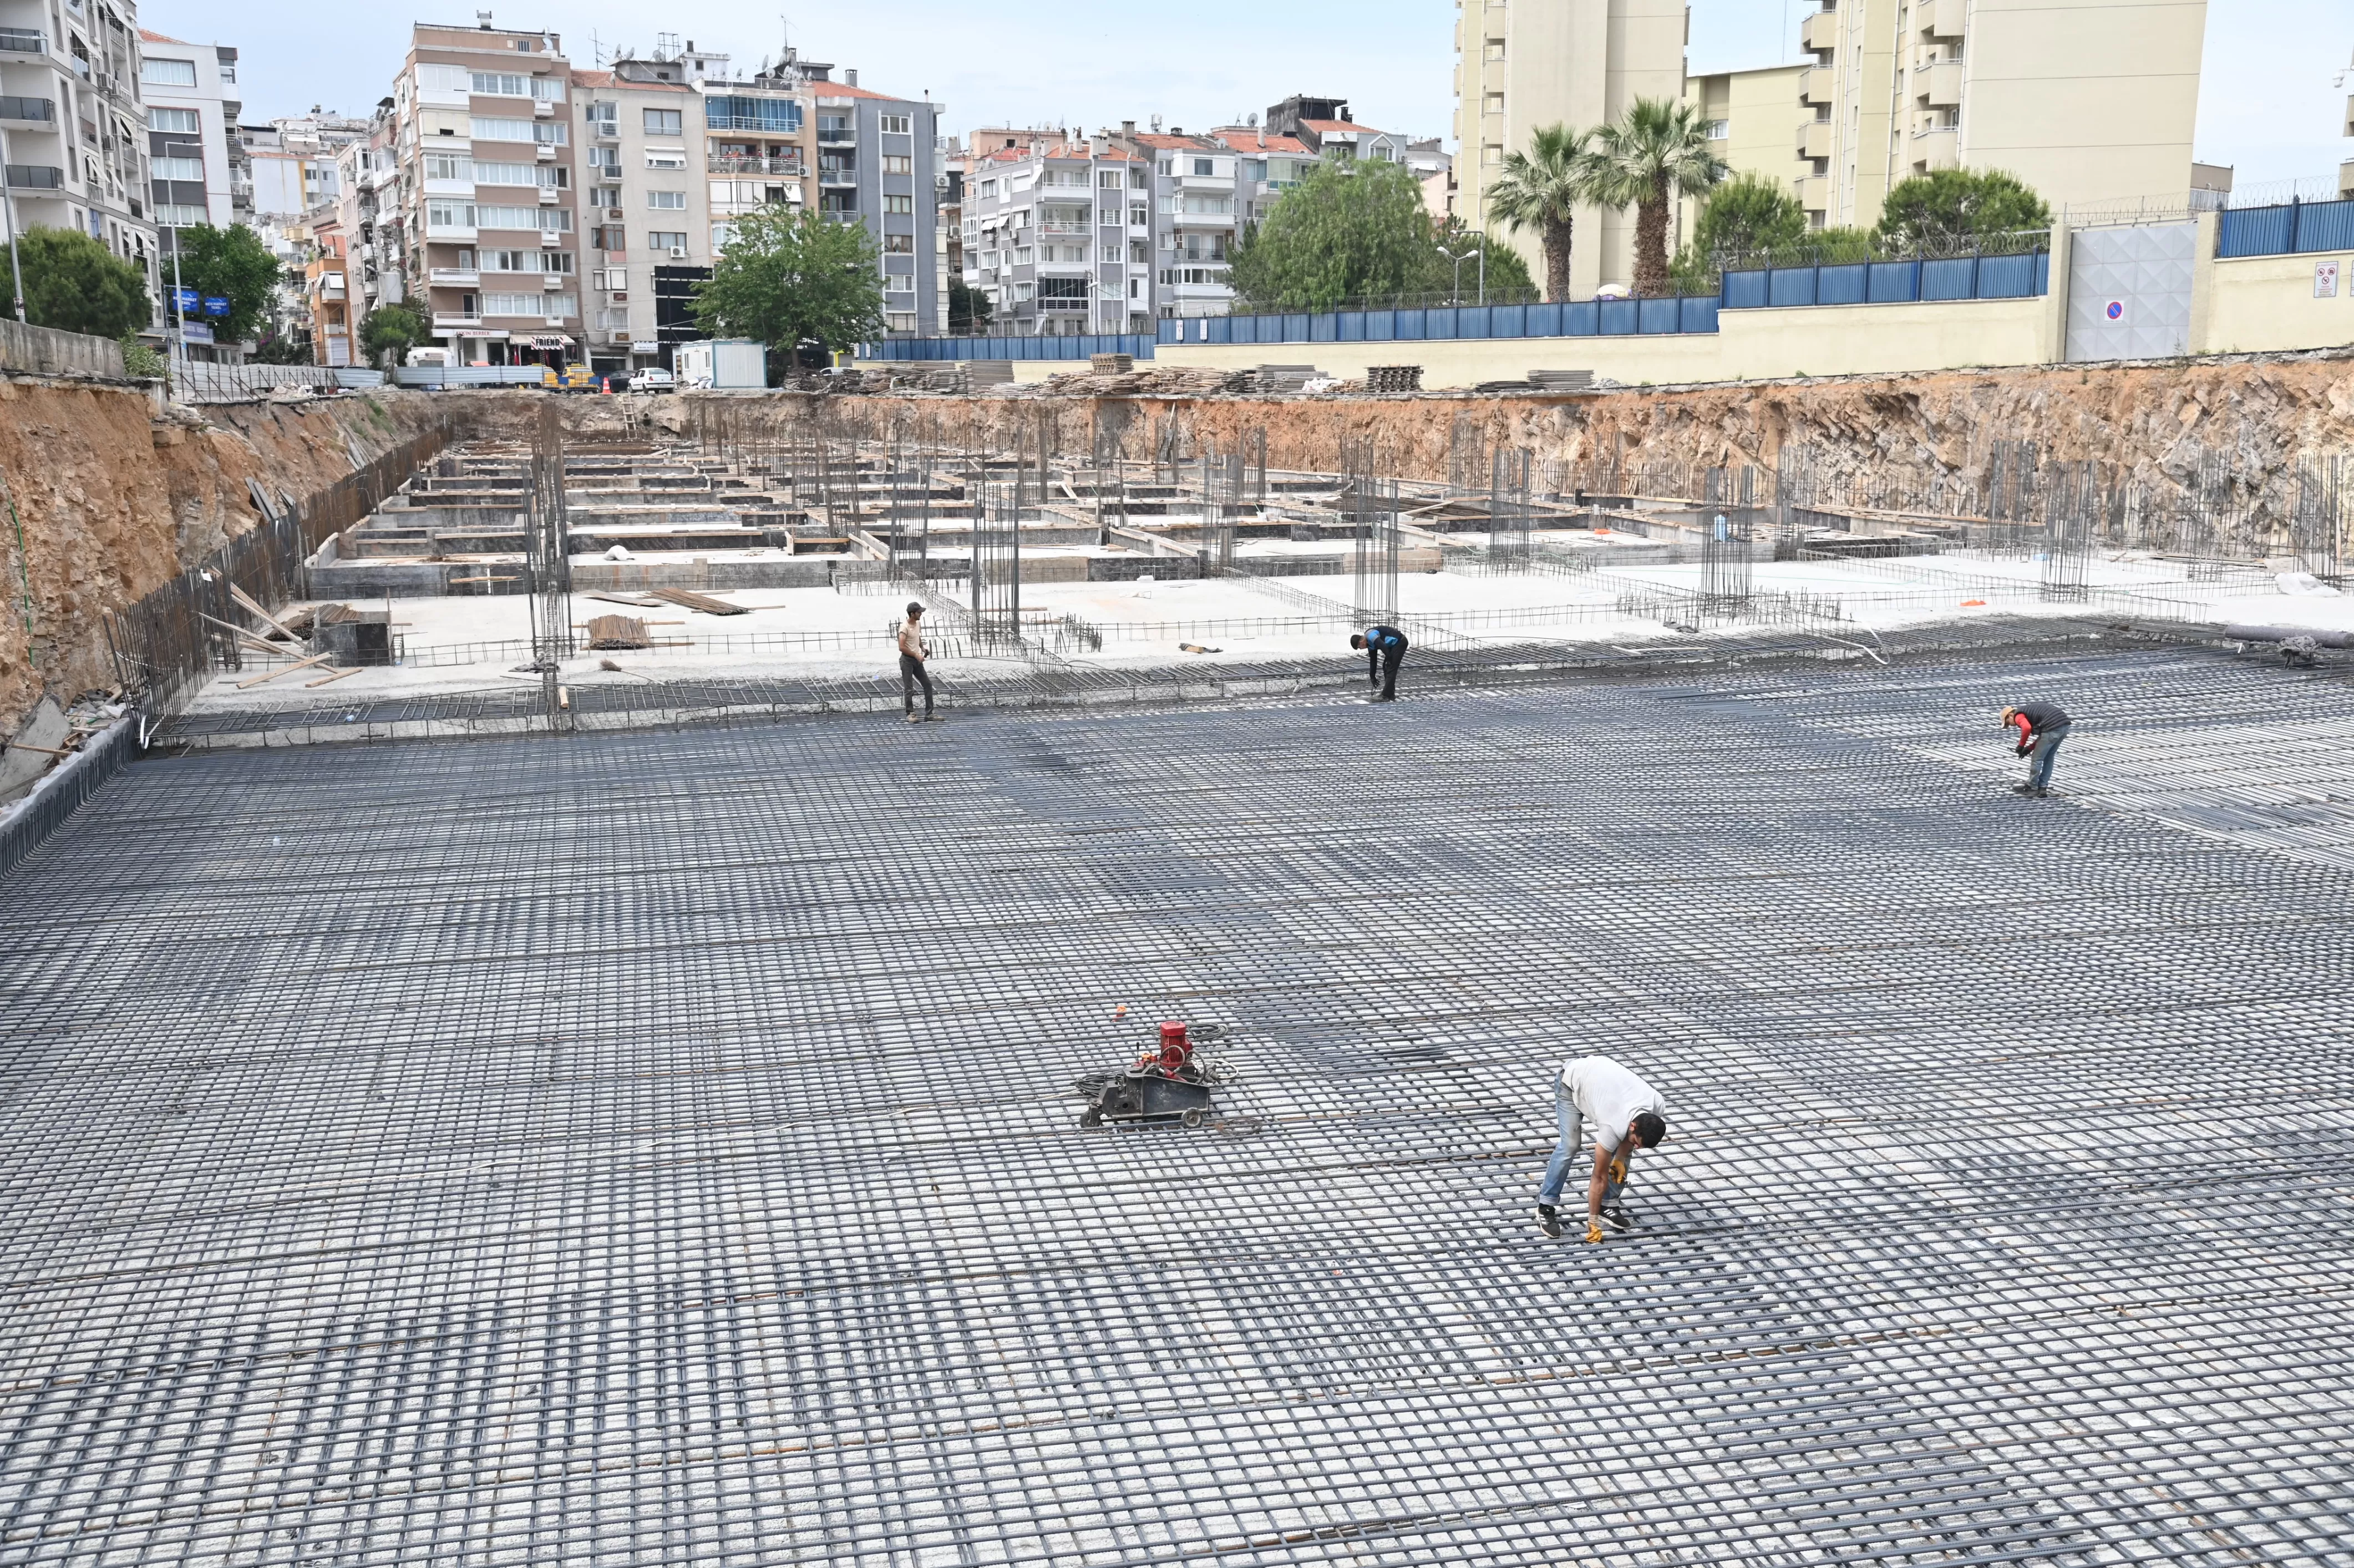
1622,1111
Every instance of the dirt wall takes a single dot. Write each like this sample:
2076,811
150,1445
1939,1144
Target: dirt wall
114,499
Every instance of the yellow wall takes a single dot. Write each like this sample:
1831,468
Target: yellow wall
2261,303
1826,340
1763,118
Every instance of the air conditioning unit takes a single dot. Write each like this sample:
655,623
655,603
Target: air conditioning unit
620,297
553,280
543,111
547,153
556,320
678,252
546,196
551,239
614,213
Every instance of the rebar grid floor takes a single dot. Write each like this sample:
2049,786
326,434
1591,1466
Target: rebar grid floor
656,1148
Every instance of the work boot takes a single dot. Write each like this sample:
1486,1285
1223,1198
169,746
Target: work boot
2043,794
2023,788
1548,1221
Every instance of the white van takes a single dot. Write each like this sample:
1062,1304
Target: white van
435,356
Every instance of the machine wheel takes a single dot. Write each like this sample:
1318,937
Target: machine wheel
1091,1117
1192,1117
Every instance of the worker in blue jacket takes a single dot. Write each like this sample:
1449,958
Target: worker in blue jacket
1385,649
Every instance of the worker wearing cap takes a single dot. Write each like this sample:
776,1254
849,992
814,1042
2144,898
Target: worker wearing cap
912,655
2041,727
1385,649
1623,1112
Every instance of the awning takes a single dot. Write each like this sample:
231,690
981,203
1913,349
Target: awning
549,340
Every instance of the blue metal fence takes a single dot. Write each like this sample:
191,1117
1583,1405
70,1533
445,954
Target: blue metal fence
1889,282
2299,229
1137,344
1586,317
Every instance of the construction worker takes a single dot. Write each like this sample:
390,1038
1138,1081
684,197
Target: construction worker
2041,727
1622,1111
1385,649
912,655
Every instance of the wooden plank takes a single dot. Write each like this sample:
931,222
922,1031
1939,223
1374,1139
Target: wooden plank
687,599
314,659
337,676
252,608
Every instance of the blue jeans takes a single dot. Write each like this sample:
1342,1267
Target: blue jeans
1573,1144
2039,765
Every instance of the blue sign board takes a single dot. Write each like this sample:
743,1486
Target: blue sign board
216,305
188,299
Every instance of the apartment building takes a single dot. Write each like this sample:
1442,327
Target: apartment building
1059,233
1266,167
878,164
74,127
2086,100
191,94
334,316
488,191
1522,65
1757,125
1197,214
649,208
368,215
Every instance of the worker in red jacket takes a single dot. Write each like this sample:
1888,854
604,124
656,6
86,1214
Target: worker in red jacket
2040,727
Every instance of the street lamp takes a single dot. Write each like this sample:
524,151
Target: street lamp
1455,296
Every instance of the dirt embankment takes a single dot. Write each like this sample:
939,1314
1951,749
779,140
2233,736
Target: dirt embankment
113,501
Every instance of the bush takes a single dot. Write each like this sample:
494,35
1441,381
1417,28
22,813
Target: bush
141,361
75,284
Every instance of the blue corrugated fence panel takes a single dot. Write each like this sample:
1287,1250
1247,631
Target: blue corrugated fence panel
1438,322
1892,282
1581,318
1787,286
1697,312
1745,291
1295,328
1956,279
1167,332
2325,226
1658,315
2006,277
1349,326
1507,321
1544,320
1381,326
2042,272
1324,327
1413,327
1841,285
2255,231
1619,317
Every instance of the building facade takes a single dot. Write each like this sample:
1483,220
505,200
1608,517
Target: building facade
489,193
1058,234
191,94
2089,102
1522,65
368,216
647,204
1757,125
74,125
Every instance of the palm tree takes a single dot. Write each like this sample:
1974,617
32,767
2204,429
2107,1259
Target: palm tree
1654,152
1541,189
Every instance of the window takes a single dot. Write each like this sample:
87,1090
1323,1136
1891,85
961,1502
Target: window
1720,130
666,201
515,305
546,132
665,158
774,116
899,320
664,123
449,166
989,188
173,121
443,79
898,245
1201,165
1112,253
666,239
179,169
510,260
500,84
1495,48
1110,179
556,260
547,219
1493,103
898,204
172,216
449,215
550,177
168,73
722,236
893,125
895,164
1492,153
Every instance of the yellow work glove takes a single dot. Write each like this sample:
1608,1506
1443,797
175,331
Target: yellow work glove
1593,1229
1618,1170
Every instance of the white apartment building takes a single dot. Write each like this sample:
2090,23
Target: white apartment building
647,206
191,94
75,129
1058,235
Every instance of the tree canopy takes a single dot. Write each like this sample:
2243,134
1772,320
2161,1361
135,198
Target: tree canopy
968,309
1357,231
1655,152
76,284
1541,189
1956,206
391,331
229,263
793,276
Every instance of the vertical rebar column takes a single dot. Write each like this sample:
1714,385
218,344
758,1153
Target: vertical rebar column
1507,509
2070,505
1373,533
548,537
1726,532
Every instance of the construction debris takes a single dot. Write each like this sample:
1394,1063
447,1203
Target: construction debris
687,599
617,632
1393,377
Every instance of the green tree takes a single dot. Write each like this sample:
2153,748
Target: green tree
1541,189
1507,274
1959,206
1654,152
792,277
75,284
1748,218
229,263
1347,230
1827,246
391,331
968,309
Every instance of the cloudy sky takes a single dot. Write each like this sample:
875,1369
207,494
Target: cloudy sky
2267,104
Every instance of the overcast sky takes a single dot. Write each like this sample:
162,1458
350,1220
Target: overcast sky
2267,102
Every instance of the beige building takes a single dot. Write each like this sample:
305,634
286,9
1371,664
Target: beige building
1756,124
2086,100
646,209
1520,65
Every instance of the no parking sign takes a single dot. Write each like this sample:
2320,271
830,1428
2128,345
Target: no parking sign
2113,311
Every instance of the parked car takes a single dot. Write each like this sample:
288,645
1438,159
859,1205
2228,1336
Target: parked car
653,379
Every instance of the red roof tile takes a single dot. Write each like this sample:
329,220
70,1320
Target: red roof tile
1326,127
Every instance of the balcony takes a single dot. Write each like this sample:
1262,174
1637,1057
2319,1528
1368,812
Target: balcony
450,188
451,232
1819,31
1938,147
36,177
1817,85
1813,192
37,112
1943,18
453,276
23,41
1081,228
456,320
1815,139
837,136
1941,84
836,177
789,168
